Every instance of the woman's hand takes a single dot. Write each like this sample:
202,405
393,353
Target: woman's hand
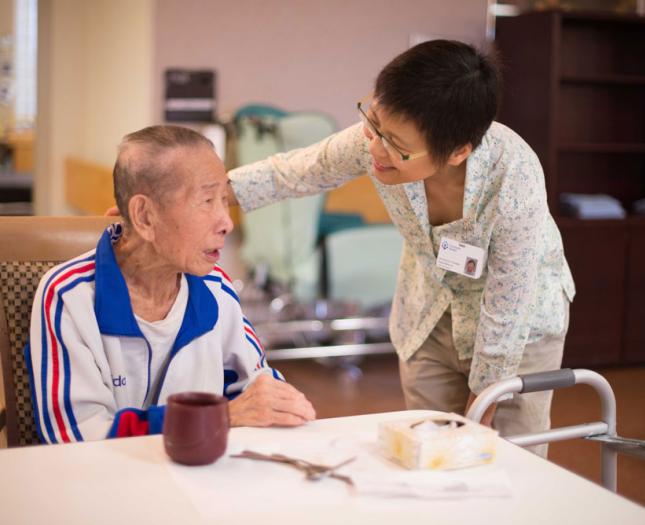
267,402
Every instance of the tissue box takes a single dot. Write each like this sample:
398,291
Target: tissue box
439,441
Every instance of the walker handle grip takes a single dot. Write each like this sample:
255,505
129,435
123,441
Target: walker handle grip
547,380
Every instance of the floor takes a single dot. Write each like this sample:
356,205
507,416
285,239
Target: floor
339,388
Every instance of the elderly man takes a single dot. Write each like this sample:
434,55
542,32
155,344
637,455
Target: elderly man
149,312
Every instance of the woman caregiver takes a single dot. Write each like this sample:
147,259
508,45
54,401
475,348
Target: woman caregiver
483,287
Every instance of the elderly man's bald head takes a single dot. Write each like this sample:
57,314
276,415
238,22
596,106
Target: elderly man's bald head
145,163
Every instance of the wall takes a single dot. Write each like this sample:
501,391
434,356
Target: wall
6,54
118,73
95,76
300,54
59,114
101,62
6,17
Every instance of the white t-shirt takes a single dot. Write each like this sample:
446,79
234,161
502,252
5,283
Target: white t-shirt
161,334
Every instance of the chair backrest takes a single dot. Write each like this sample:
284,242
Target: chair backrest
256,132
362,264
283,235
29,246
301,129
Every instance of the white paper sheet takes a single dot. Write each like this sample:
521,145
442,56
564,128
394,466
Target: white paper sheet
215,489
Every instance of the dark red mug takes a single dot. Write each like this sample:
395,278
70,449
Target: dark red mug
195,428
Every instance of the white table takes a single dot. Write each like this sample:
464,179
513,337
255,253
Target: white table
132,481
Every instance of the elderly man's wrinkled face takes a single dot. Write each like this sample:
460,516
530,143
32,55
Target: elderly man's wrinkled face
194,219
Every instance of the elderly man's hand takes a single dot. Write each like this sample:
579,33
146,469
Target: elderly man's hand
268,402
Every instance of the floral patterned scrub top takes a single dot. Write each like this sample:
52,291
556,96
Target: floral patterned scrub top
520,297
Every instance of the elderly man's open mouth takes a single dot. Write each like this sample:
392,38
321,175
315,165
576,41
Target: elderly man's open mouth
212,255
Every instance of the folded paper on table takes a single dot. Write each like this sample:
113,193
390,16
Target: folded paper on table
484,482
274,486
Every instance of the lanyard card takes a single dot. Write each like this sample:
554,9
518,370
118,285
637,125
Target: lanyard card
464,259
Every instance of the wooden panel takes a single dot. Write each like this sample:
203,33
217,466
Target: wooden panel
89,189
527,45
596,252
358,196
602,113
22,145
573,88
236,215
621,176
88,186
603,46
526,74
46,238
635,318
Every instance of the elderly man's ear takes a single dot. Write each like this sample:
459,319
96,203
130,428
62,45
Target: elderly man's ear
143,216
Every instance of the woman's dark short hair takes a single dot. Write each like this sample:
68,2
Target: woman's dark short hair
448,89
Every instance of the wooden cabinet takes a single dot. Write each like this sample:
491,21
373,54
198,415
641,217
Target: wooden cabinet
574,88
597,313
635,297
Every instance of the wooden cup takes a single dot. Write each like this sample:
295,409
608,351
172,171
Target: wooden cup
195,429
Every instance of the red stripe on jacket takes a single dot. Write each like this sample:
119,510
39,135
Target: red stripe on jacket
218,269
255,337
49,296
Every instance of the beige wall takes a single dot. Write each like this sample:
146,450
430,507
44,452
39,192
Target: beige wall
94,85
118,73
6,29
6,17
300,54
101,62
60,99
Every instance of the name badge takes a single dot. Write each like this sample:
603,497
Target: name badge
461,258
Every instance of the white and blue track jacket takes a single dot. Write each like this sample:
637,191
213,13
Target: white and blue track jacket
89,362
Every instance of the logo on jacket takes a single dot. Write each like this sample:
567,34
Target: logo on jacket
118,380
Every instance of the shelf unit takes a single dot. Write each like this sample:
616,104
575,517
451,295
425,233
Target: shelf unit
574,89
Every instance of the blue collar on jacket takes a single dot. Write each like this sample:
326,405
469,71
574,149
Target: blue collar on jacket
113,308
